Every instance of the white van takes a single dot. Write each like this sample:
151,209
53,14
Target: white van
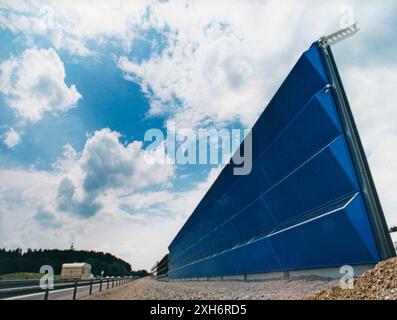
76,271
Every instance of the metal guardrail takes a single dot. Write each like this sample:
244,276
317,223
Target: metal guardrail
160,269
19,290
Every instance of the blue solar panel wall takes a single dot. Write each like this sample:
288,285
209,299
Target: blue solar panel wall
301,207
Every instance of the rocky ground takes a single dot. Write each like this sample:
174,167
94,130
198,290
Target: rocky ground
149,289
379,283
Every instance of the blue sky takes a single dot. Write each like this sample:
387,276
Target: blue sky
81,84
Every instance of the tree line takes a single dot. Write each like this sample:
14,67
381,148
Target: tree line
31,260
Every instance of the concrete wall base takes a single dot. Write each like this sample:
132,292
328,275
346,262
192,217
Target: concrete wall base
324,273
215,278
234,278
266,276
330,273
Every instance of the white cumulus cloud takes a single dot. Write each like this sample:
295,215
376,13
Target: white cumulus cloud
11,138
69,25
224,60
107,168
34,83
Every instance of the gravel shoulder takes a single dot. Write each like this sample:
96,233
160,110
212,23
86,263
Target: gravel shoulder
149,289
376,284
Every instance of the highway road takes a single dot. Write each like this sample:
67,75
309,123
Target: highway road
59,293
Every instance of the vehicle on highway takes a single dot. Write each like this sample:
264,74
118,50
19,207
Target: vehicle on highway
76,271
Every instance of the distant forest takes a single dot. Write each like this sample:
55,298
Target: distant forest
30,261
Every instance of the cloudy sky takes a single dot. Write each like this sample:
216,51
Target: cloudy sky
80,84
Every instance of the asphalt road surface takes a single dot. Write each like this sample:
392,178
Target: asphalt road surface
63,294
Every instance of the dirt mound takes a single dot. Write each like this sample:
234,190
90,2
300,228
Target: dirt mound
379,283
